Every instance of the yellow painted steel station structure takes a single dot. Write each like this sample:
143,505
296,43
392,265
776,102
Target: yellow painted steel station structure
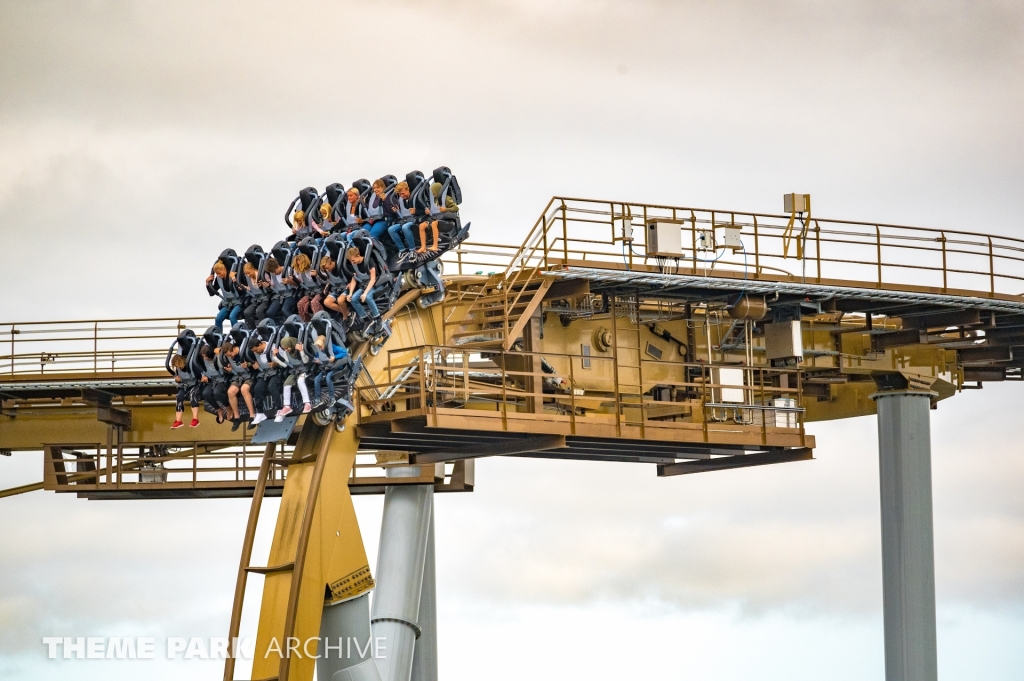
693,340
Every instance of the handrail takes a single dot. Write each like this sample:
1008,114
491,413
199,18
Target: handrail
780,216
105,347
874,254
434,375
541,223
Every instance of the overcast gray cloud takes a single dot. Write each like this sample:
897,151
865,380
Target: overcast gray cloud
138,139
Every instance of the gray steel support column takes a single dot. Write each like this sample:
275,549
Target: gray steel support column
346,651
403,547
908,555
424,661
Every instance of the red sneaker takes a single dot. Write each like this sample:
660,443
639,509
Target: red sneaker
176,424
195,422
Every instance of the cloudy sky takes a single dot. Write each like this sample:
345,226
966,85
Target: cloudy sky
138,139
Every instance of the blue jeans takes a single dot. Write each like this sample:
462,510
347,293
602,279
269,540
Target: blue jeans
357,304
377,229
397,230
227,312
324,376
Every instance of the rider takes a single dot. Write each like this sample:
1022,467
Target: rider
277,305
222,283
310,301
334,297
264,370
251,285
290,357
187,388
326,361
398,207
326,222
239,381
354,211
360,286
376,223
302,226
215,392
438,214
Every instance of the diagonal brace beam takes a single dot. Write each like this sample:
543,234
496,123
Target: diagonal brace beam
739,461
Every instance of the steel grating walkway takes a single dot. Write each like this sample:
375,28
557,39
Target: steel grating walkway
676,285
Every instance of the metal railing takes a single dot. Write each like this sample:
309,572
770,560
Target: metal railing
100,348
427,378
192,466
774,247
182,465
478,258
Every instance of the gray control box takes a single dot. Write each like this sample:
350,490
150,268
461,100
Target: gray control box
664,238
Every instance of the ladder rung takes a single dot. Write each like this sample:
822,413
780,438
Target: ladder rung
494,298
490,319
291,462
476,318
496,308
268,570
501,297
480,332
496,343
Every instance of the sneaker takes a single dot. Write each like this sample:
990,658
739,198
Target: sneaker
260,418
235,423
282,412
306,408
195,422
176,424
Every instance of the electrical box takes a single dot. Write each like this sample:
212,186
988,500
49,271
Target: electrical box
627,228
783,417
706,240
152,474
783,341
731,237
797,203
664,239
731,381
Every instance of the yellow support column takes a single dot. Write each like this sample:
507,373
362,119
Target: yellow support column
333,559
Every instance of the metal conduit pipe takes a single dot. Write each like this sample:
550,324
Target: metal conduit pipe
403,547
424,661
347,652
